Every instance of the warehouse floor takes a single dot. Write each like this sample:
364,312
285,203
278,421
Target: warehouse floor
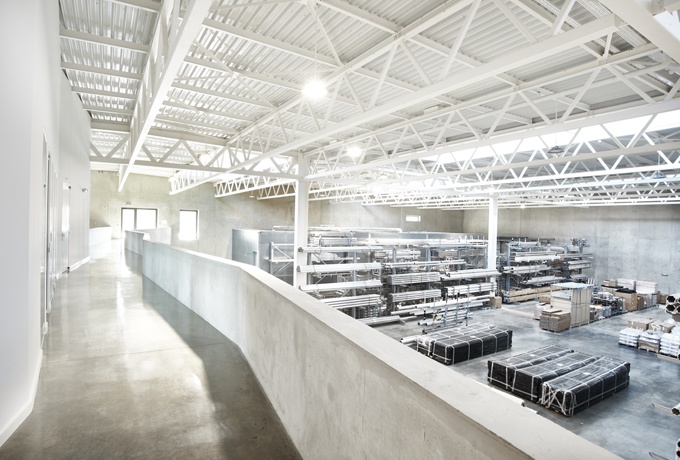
129,372
626,423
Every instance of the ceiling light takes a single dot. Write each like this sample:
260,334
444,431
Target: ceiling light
382,177
555,150
354,151
314,89
658,175
204,157
522,206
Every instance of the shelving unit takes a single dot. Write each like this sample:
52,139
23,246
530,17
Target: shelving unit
342,274
529,267
370,273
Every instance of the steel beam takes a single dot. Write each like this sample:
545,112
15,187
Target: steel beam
100,40
662,29
171,43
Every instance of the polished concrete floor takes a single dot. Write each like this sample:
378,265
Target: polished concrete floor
129,372
625,423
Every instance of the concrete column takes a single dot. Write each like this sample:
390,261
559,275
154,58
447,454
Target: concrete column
301,221
492,231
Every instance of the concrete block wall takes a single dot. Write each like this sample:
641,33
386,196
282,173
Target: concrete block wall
344,390
636,242
218,216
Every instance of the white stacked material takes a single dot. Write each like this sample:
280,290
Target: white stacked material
538,310
629,336
670,345
645,287
626,283
649,340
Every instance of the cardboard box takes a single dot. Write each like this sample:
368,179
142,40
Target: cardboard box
557,321
496,302
640,323
662,327
630,300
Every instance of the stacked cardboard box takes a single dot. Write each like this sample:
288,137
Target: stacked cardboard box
630,299
574,298
496,301
555,320
640,323
663,327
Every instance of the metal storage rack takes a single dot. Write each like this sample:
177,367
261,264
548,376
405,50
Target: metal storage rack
528,269
575,261
342,274
370,273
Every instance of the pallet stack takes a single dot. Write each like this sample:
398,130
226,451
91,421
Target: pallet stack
555,320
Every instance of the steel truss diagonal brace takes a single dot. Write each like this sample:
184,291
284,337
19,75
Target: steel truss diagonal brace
532,53
171,43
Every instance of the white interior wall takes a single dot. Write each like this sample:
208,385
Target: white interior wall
74,170
30,85
637,242
36,98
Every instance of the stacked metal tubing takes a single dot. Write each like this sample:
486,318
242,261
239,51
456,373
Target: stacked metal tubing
673,304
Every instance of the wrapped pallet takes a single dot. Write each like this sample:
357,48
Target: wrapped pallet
464,343
580,389
630,337
528,382
501,373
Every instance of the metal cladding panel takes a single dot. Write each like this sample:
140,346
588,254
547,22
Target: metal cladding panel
244,246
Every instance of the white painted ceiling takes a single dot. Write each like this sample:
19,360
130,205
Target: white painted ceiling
542,102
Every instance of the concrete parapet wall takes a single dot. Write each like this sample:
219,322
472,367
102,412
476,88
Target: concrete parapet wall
134,238
100,235
344,390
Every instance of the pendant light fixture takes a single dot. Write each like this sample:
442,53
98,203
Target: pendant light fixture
314,88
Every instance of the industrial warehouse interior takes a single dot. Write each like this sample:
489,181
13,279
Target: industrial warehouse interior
340,229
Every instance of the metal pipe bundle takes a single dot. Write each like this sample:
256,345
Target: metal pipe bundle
673,304
413,278
318,249
414,295
472,273
341,286
380,320
388,265
369,300
544,280
337,268
532,256
525,268
470,288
